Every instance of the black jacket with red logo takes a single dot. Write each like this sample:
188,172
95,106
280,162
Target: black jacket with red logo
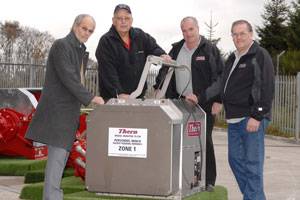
120,69
206,68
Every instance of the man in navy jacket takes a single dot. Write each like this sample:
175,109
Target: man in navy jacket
121,55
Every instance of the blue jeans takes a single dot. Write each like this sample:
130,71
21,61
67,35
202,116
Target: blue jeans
246,153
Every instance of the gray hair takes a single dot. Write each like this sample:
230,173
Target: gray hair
189,18
79,19
242,21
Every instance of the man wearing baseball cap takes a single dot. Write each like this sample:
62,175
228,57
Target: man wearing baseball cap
122,6
121,55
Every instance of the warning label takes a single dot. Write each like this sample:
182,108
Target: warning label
127,142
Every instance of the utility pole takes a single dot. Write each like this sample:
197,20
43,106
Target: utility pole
277,62
298,109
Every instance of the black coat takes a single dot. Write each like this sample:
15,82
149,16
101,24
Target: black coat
206,69
120,69
57,115
250,88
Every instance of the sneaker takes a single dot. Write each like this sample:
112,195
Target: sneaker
209,188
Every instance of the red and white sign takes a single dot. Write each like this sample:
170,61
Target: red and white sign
127,142
194,128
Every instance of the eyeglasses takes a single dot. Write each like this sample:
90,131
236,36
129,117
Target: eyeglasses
85,29
126,19
241,34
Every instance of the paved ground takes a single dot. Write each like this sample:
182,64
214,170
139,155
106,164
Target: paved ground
282,171
10,187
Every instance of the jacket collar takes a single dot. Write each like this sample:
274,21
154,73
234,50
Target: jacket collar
74,41
252,50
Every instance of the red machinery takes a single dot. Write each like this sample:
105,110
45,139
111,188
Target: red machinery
77,155
16,108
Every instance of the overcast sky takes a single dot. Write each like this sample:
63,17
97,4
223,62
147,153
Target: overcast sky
160,18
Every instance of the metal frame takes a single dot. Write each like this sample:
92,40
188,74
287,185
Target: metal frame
156,61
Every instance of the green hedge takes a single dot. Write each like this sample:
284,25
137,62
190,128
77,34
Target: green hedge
19,166
38,175
69,185
32,170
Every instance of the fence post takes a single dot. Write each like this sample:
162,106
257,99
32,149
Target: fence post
31,76
298,108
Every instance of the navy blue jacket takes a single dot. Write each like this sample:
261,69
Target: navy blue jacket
206,68
120,69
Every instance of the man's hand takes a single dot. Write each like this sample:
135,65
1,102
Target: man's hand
216,108
166,57
123,96
191,97
98,100
252,125
156,92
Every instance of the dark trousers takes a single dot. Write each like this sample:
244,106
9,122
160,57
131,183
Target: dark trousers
211,172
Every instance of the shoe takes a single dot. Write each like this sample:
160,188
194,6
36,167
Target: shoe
210,188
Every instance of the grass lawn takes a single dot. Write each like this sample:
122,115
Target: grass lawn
19,166
73,187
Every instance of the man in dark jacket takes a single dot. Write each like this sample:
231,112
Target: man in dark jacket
57,116
121,55
196,84
247,94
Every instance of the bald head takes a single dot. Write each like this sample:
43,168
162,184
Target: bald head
80,18
190,19
190,31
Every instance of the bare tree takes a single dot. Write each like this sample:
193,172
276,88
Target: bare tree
23,44
10,31
34,46
211,25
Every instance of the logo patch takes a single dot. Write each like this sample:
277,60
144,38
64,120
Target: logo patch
242,65
194,128
200,58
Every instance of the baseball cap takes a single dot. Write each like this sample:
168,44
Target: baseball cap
122,6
